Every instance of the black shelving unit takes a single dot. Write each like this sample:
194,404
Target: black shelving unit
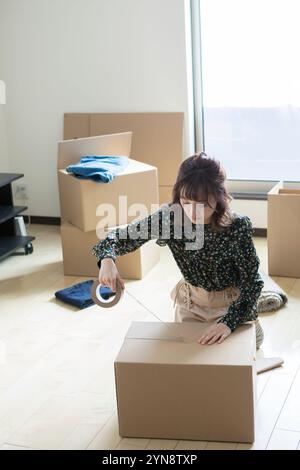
9,241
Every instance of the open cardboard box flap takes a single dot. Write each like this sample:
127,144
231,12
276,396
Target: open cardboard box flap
71,151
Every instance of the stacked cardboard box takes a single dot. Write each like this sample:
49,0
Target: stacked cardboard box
284,231
80,200
169,386
158,139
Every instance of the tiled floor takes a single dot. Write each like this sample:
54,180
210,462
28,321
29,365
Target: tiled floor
56,363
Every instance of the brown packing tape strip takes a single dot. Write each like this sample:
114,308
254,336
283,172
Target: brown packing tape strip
102,303
177,339
170,338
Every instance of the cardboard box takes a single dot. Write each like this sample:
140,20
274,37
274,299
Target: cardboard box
158,137
169,386
165,194
76,125
70,152
283,233
80,198
79,261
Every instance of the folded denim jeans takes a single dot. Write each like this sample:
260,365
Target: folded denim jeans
79,295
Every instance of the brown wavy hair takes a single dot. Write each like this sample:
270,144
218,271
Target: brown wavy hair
200,177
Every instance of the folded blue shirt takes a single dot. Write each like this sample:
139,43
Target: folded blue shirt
101,168
79,295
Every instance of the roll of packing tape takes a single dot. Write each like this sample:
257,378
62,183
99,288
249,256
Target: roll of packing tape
98,299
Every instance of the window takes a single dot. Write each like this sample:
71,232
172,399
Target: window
250,92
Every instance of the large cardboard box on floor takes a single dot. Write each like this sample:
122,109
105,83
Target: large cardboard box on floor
80,198
169,386
284,231
79,261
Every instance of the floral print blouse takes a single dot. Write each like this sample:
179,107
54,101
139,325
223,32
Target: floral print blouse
225,259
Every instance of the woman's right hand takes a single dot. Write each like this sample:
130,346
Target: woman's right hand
108,274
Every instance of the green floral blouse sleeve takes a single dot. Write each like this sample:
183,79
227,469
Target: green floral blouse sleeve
250,282
123,240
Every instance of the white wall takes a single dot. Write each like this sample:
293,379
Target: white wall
4,162
61,56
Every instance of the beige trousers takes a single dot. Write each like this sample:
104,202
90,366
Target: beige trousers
197,304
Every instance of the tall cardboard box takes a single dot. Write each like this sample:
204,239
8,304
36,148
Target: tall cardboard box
80,198
169,386
284,231
158,137
79,261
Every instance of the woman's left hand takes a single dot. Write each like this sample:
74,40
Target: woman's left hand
215,333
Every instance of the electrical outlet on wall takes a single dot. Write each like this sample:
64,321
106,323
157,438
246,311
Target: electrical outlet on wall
20,191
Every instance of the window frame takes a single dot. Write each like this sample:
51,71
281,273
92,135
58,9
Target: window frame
250,189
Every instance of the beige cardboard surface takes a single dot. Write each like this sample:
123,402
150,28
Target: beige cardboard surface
284,231
157,136
79,261
80,198
289,191
76,125
76,248
169,386
165,194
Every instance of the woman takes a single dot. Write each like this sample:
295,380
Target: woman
221,283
